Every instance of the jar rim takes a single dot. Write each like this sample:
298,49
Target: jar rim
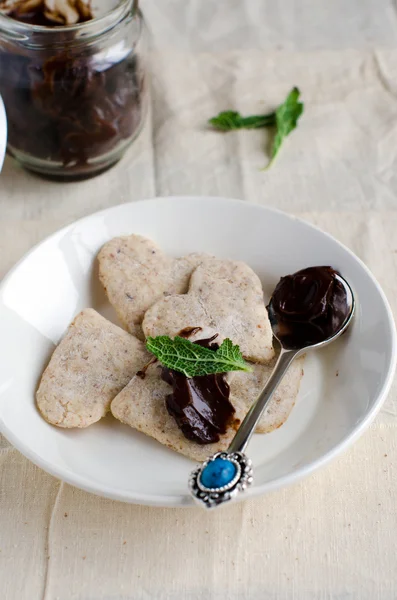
87,29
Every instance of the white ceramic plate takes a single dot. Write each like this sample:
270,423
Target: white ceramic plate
342,389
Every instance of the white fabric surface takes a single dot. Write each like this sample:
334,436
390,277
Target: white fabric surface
332,536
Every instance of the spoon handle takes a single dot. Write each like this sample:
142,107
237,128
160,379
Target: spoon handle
225,474
3,132
247,427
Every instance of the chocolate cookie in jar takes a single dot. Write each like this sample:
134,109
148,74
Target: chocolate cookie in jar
73,81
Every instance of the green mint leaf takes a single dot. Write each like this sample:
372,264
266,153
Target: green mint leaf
229,120
287,116
179,354
229,351
285,119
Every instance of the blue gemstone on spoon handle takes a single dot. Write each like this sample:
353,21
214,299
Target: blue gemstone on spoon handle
218,473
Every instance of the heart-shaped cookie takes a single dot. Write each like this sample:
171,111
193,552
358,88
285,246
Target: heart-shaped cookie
136,273
224,296
141,404
89,367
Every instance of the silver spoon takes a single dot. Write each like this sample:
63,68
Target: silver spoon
233,465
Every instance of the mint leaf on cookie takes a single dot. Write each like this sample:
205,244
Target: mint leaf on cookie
179,354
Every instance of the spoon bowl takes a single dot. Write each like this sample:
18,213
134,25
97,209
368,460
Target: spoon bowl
350,308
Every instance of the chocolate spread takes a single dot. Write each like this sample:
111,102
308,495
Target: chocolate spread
308,307
68,106
199,405
189,331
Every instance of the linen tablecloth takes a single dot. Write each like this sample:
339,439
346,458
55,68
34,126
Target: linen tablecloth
332,536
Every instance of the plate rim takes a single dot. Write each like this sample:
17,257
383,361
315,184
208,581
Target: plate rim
164,501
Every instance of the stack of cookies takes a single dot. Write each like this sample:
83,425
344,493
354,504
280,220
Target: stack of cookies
99,366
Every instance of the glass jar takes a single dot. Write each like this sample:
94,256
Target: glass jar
76,95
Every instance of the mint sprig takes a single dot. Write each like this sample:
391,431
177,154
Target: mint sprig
284,118
287,116
179,354
229,120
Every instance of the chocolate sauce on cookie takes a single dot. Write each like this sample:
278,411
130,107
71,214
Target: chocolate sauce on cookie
200,405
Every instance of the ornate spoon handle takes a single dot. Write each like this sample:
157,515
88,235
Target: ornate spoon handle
224,474
247,427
